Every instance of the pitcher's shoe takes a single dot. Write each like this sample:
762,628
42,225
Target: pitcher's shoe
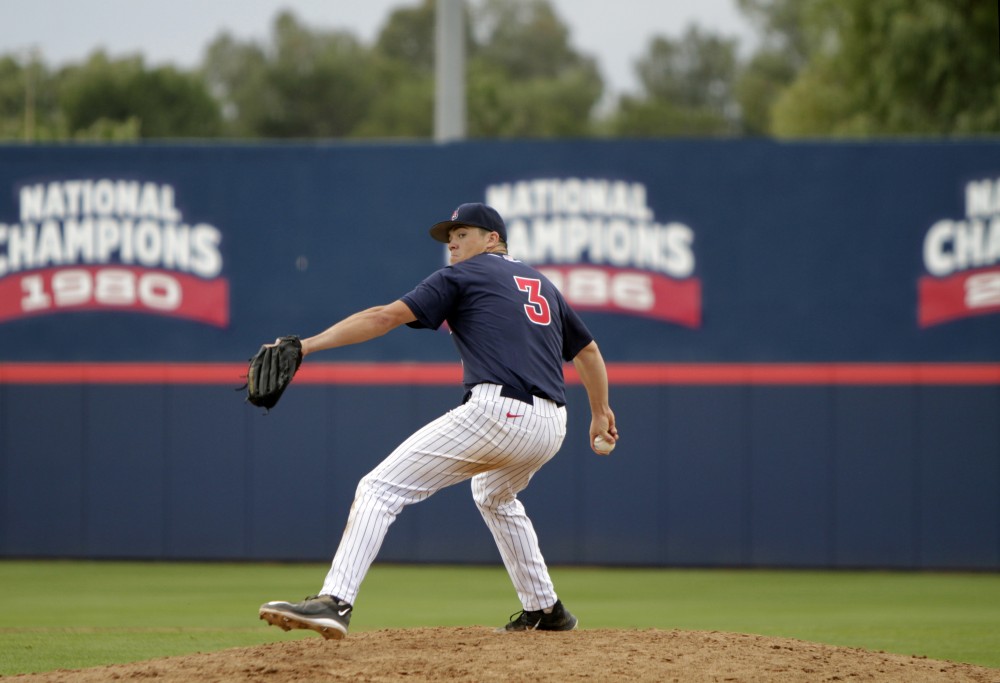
557,618
325,614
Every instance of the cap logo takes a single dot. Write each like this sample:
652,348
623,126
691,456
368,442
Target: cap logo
454,216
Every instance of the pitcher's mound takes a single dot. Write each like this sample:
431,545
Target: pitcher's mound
479,654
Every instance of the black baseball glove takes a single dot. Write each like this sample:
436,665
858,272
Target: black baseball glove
271,371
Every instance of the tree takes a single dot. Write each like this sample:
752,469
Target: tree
525,78
782,27
121,99
687,88
237,76
408,36
782,54
898,67
403,68
523,38
309,83
29,108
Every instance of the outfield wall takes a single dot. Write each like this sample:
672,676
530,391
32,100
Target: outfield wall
803,340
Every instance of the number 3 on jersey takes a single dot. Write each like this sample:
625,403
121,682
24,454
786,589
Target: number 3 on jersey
537,308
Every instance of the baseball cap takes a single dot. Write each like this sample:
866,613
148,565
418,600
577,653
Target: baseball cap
474,214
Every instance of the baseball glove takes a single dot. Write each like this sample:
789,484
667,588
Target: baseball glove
271,371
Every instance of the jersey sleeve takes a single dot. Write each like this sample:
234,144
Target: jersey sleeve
433,299
575,333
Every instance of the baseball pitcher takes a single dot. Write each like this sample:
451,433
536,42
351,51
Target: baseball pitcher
514,331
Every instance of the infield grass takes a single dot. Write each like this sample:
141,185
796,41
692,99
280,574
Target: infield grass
69,614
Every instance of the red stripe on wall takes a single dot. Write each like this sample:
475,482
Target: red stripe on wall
806,373
634,374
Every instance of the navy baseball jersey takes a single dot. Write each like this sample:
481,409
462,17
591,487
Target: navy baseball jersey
510,324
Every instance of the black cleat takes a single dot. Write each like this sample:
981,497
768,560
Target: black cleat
558,619
325,614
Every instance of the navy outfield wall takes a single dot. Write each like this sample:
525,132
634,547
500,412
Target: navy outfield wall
803,342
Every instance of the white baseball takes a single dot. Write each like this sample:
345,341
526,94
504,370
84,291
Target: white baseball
603,447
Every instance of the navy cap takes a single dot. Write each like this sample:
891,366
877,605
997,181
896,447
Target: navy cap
475,214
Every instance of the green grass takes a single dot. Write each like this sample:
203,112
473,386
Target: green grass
79,614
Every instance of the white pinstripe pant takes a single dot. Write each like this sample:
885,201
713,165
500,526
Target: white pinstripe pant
499,443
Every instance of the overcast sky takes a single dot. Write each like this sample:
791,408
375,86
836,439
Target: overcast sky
616,32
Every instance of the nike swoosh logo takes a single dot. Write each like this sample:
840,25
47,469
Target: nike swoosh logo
343,612
512,415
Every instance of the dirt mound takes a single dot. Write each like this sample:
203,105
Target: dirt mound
479,654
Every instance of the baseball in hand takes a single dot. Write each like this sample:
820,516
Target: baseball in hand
603,447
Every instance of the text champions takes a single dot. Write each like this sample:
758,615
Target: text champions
598,241
93,244
961,258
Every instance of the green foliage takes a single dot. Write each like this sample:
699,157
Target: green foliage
408,36
308,83
688,88
823,68
782,54
695,71
898,67
659,118
14,91
782,28
523,38
119,99
763,80
525,78
402,105
29,109
404,55
501,107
